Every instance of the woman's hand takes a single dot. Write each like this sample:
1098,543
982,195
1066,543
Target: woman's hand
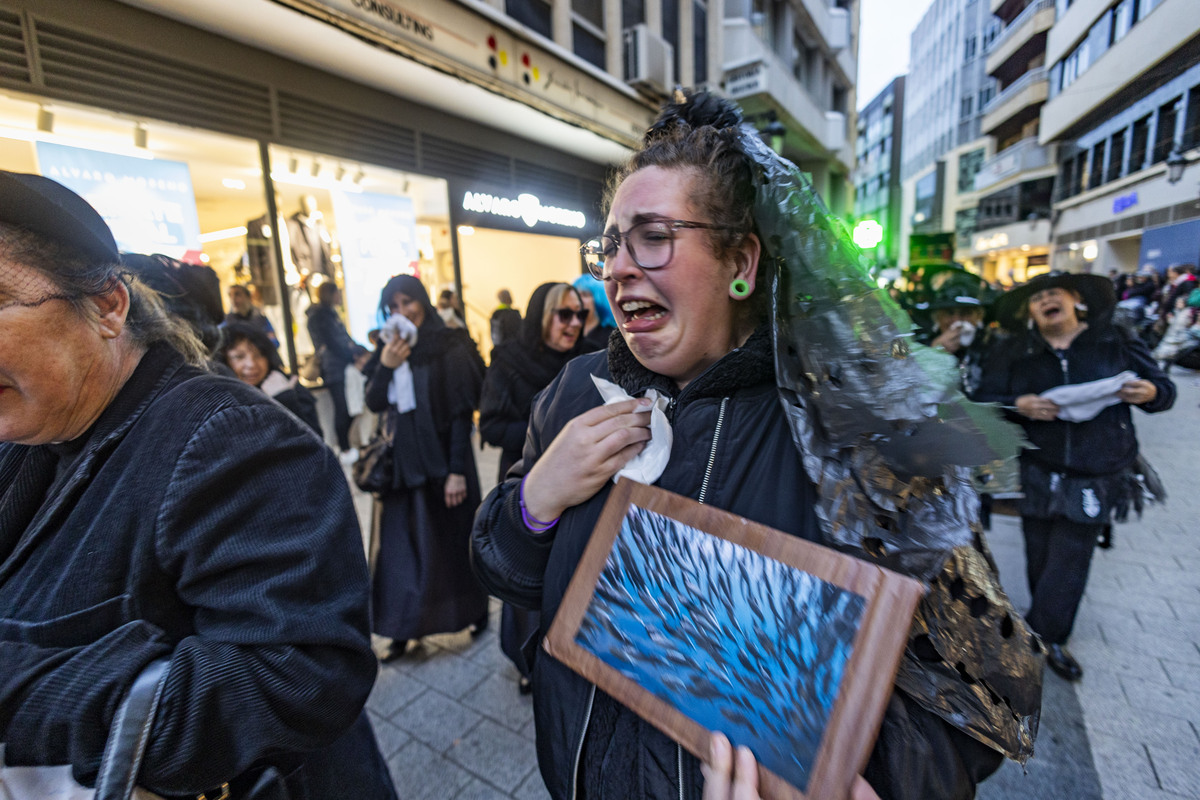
950,339
456,490
588,451
1034,407
723,778
394,353
726,780
1138,392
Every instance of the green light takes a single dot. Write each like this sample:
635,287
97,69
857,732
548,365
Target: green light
868,234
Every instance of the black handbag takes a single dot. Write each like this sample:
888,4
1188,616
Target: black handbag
374,470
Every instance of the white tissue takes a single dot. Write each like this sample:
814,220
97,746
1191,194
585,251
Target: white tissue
647,466
1079,402
401,392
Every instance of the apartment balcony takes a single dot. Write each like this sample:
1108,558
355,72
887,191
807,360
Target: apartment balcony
1016,162
1019,42
1017,104
759,80
832,23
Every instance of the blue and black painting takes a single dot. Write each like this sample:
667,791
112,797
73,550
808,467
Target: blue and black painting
738,642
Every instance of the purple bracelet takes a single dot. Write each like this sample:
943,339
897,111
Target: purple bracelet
533,523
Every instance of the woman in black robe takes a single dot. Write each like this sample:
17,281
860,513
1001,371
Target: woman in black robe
551,335
423,582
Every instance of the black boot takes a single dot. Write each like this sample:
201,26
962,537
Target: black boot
1061,661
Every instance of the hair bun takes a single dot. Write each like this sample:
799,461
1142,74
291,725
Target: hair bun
695,110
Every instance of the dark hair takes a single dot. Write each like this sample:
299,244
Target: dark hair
235,333
326,291
80,279
240,288
724,184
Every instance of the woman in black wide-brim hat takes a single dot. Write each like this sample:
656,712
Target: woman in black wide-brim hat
1079,474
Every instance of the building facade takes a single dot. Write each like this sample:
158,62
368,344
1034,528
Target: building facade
1123,110
943,146
1010,242
795,62
877,171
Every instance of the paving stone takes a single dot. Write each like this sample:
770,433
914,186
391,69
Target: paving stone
1177,766
478,790
437,720
390,737
498,699
1182,650
1161,698
495,754
393,690
450,674
1116,760
421,773
1186,676
534,788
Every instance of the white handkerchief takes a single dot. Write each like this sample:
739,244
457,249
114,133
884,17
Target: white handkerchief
1079,402
647,466
401,392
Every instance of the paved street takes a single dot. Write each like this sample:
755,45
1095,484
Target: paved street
452,725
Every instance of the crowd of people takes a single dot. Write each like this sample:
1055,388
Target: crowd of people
166,496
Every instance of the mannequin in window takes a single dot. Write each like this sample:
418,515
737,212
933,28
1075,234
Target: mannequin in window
260,257
311,243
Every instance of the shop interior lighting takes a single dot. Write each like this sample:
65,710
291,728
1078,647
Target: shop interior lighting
293,164
341,173
466,230
45,120
316,168
358,177
141,137
103,146
327,183
234,183
227,233
1090,251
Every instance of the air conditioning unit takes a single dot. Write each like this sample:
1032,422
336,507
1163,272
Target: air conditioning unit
649,60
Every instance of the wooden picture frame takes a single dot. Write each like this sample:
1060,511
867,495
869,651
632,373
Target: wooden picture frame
657,590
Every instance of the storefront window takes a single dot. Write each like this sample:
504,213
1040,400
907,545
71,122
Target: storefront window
355,225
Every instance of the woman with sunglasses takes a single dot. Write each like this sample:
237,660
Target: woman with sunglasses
680,260
550,337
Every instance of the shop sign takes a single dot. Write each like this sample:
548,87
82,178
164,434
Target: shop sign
744,81
1125,201
993,242
526,207
148,204
451,37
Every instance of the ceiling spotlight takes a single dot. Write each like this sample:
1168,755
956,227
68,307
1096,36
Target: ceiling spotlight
316,168
358,177
140,136
341,173
293,164
45,120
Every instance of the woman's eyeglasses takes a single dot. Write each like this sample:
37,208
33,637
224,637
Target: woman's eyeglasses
565,315
651,245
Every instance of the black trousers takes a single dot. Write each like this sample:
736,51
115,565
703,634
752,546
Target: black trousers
1058,554
341,414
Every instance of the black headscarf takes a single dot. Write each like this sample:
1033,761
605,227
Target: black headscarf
529,356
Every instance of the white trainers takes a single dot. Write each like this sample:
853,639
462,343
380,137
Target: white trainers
348,457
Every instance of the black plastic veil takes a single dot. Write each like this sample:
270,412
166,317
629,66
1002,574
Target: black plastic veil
889,441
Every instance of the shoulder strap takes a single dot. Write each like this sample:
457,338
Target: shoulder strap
130,733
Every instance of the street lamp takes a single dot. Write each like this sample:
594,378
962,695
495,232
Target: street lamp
1176,164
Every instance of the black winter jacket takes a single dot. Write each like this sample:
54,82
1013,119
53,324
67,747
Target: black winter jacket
327,331
1027,364
732,449
199,521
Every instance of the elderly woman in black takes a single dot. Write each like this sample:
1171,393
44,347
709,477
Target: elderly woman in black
423,582
148,511
1079,473
550,337
248,353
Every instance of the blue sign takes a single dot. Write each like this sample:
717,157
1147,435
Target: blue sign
378,235
1124,202
149,204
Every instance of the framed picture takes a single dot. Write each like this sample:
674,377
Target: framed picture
701,621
